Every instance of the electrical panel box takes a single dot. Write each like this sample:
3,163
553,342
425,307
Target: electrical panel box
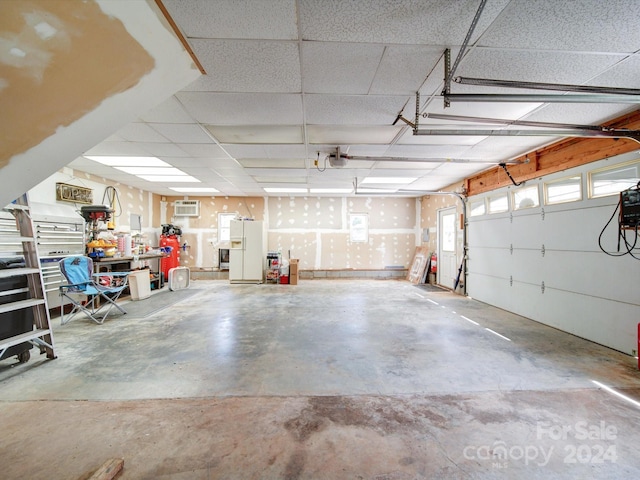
630,208
187,208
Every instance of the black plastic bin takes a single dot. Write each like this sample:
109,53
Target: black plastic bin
18,321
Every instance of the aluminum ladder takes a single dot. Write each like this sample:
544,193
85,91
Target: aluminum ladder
41,334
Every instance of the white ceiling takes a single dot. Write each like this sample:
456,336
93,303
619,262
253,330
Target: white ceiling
286,79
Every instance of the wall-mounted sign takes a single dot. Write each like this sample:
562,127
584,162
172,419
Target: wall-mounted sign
73,193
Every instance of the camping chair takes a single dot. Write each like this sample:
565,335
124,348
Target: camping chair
101,289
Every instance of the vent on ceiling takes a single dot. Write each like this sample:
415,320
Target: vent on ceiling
187,208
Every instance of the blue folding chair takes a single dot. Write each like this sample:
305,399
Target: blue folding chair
98,291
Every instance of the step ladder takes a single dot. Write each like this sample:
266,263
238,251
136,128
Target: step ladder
22,241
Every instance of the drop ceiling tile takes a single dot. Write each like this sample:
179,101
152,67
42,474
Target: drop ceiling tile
163,149
275,19
434,83
169,111
403,69
246,151
258,134
182,133
202,173
504,148
532,66
388,21
323,134
546,25
382,172
339,68
433,184
230,172
408,138
481,109
181,162
280,172
580,114
286,151
247,109
272,163
118,148
427,151
360,150
140,132
459,170
206,150
91,167
354,109
118,176
248,66
405,165
230,163
351,166
281,179
626,73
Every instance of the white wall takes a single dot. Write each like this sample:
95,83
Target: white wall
130,200
586,292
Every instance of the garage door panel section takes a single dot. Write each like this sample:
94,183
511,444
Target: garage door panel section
556,272
577,229
490,289
592,274
526,230
602,321
490,232
528,266
495,262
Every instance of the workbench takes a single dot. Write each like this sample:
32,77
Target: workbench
128,264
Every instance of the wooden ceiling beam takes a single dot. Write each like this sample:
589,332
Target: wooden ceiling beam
559,156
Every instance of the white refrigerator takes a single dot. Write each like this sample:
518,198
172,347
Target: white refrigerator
247,252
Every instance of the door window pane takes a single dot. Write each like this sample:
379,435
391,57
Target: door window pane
449,232
477,207
613,180
499,203
526,197
563,190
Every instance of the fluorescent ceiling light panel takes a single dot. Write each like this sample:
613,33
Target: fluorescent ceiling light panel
331,190
388,180
284,190
151,170
169,178
119,161
194,189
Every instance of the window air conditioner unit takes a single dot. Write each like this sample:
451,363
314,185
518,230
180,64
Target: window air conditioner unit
186,208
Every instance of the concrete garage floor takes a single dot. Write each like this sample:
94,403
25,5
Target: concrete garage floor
325,380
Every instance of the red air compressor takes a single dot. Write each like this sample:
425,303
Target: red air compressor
169,241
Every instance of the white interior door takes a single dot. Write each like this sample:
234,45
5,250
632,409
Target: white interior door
447,247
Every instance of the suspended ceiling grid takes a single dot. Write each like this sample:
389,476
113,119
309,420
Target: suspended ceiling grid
286,79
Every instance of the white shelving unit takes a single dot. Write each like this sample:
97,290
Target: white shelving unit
273,267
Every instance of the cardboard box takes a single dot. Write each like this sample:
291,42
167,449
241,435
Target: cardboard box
293,279
293,267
